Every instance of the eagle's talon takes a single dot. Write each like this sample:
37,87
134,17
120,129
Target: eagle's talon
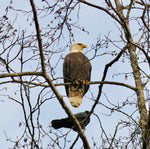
79,82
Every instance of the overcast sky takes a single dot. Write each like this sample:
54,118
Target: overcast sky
99,25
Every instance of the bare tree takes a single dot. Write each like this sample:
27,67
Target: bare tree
31,57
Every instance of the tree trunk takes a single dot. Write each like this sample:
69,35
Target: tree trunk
140,95
136,74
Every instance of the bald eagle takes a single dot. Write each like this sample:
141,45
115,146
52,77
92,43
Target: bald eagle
77,71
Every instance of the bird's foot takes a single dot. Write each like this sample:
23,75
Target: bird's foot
79,83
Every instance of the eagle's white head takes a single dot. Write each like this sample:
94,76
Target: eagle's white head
77,47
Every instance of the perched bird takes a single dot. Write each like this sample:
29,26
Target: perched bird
77,71
68,123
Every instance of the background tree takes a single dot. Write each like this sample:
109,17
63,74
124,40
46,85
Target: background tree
35,37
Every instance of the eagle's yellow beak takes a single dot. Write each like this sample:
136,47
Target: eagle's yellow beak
83,46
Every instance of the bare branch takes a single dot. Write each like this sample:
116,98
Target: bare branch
101,8
38,36
49,81
5,75
102,82
143,17
68,111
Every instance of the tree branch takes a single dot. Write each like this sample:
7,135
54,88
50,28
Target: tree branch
136,71
107,66
101,8
49,81
60,84
143,17
102,82
68,111
38,36
5,75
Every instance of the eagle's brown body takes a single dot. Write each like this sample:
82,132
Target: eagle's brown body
77,70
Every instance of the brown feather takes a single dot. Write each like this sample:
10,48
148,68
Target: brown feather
76,66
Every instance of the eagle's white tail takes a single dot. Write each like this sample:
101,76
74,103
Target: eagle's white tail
75,101
75,96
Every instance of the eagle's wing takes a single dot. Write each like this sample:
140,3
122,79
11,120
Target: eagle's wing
66,73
